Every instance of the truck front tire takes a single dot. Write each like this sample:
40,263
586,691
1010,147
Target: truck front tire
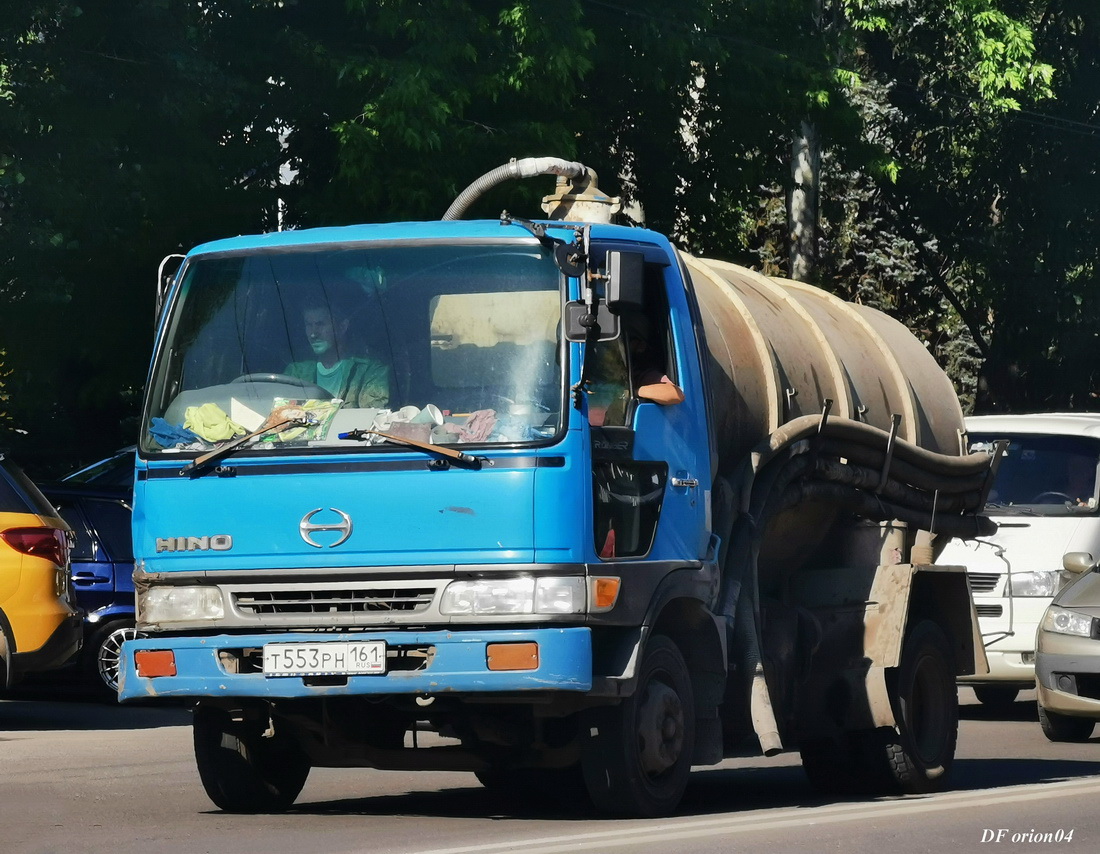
242,769
637,754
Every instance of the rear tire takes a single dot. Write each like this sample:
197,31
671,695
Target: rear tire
916,756
241,770
996,696
926,709
637,754
1058,727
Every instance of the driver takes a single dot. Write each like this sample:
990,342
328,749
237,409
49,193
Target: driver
359,382
1081,480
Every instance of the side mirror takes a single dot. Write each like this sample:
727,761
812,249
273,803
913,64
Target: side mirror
625,280
575,331
1078,562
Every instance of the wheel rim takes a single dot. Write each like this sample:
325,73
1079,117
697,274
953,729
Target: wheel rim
660,728
928,723
110,654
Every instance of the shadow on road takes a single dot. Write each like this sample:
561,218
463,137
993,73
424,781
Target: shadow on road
46,708
709,792
1021,710
996,773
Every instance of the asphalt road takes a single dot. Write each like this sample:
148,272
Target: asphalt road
79,777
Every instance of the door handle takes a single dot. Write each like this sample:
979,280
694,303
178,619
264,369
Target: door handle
689,482
88,578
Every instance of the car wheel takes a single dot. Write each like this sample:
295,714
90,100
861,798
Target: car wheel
1058,727
243,768
101,656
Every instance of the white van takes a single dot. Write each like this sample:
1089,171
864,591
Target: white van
1044,500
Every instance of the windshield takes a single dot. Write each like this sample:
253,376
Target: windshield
447,344
1047,475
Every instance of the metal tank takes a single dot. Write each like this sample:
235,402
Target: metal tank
781,349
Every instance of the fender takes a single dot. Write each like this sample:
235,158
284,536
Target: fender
616,650
108,612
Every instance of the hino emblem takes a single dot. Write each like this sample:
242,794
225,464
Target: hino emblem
306,527
217,543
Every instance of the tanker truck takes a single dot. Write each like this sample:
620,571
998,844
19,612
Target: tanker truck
399,504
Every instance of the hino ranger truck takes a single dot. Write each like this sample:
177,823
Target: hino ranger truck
406,499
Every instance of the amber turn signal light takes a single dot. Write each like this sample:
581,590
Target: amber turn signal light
512,656
604,593
155,662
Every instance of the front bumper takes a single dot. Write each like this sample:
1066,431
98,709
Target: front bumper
61,646
429,662
1006,667
1067,675
1010,643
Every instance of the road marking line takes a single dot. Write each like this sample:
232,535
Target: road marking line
690,828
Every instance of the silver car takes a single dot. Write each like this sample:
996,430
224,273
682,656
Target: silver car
1067,660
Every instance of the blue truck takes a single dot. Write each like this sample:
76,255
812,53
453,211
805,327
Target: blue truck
402,502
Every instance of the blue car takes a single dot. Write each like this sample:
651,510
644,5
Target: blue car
102,574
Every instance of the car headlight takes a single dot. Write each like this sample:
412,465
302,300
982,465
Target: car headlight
1067,622
159,605
1042,582
486,596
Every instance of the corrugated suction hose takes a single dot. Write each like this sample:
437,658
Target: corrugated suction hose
528,167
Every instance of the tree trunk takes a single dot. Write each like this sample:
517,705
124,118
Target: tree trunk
802,213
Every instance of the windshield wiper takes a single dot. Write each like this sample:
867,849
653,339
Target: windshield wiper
1010,509
457,457
225,450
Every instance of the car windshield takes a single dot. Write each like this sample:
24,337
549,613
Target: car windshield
326,346
1044,474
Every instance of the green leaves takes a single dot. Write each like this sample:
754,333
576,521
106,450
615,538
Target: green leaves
958,180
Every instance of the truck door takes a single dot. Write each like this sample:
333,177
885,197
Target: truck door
651,462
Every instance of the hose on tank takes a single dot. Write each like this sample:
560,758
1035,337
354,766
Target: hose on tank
528,167
858,433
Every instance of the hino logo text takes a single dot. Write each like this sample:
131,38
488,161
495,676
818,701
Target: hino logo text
216,543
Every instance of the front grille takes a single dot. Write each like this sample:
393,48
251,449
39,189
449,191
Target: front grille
336,601
983,582
988,610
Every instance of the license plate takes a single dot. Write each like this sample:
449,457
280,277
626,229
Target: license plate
347,658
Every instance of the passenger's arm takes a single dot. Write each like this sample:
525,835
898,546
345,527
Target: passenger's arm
664,392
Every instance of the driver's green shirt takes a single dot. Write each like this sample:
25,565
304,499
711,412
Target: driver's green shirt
361,382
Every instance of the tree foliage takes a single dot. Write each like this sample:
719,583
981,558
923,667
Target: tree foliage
959,162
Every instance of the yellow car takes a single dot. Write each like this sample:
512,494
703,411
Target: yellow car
40,623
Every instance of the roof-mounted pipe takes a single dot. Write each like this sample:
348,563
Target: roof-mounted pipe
582,179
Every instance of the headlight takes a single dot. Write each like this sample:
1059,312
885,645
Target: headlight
1067,622
1042,582
160,605
485,596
